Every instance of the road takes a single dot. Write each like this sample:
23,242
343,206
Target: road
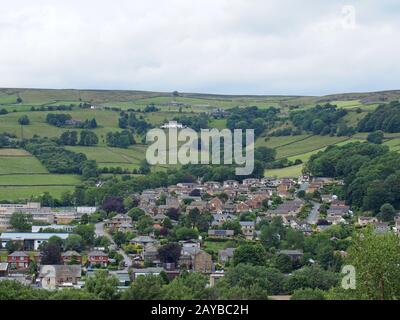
313,216
100,232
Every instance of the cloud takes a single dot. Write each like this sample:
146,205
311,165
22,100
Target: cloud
219,46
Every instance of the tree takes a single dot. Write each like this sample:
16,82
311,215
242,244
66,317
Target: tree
170,252
185,233
12,246
144,288
119,238
74,242
311,277
21,222
72,294
24,120
51,254
88,138
86,231
246,281
14,290
251,254
115,204
69,138
103,286
89,169
308,294
145,224
376,259
387,212
283,262
376,137
136,213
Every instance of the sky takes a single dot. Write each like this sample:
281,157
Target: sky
283,47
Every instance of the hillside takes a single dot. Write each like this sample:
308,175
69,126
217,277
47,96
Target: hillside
22,175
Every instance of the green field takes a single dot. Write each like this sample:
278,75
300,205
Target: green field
307,145
22,175
14,193
293,171
39,180
23,164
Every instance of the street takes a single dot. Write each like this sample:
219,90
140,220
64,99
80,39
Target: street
99,231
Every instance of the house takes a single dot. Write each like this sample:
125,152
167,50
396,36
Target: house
18,260
295,255
202,262
215,277
220,218
248,228
142,240
117,220
251,182
52,277
212,185
363,221
71,255
381,227
125,227
60,227
231,184
215,205
225,255
98,258
242,207
221,233
200,205
124,280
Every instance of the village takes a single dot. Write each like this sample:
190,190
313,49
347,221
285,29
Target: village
125,249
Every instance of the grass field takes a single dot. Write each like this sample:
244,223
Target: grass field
14,193
22,165
307,145
293,171
39,180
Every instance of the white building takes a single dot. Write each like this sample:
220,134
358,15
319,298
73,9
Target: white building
30,240
172,125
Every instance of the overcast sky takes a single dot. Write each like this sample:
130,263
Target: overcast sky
303,47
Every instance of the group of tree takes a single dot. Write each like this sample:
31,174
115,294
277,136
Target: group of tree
137,124
385,118
198,122
252,118
61,119
70,138
59,160
370,171
121,139
321,120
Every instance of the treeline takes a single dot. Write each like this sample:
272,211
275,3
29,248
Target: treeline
63,119
86,138
200,121
385,118
252,118
129,120
323,120
59,160
8,140
371,173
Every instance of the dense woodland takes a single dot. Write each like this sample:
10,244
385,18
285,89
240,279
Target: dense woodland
385,118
